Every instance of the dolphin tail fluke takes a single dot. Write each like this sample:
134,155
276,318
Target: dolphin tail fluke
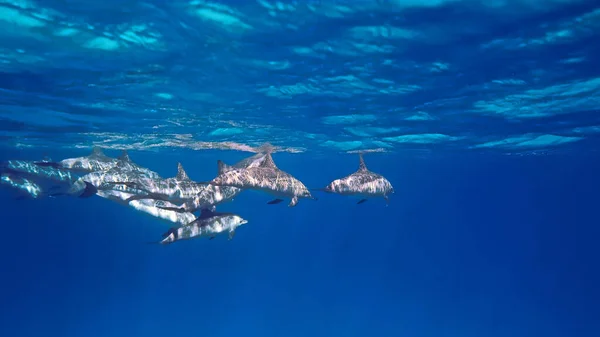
89,190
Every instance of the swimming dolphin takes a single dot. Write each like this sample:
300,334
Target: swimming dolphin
41,181
124,176
192,196
178,189
253,161
208,224
149,206
95,161
24,188
266,177
362,183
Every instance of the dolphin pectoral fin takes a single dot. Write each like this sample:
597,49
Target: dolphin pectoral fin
89,190
171,230
231,234
274,201
387,200
212,237
361,201
293,202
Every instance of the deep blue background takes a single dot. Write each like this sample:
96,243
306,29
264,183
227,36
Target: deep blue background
470,245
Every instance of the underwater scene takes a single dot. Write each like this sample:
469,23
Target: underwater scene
368,168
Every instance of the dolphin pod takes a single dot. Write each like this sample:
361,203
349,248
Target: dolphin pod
174,200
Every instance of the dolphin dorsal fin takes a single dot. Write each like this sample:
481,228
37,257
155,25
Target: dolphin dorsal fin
181,175
222,167
97,151
268,162
125,156
361,165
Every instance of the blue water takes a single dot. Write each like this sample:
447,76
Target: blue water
484,114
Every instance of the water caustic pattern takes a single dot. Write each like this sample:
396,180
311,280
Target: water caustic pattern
508,76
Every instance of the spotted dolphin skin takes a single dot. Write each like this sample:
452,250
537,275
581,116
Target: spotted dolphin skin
155,208
192,196
123,176
209,224
94,162
362,183
177,189
39,180
266,177
183,194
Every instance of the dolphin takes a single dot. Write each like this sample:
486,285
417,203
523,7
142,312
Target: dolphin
25,188
250,162
39,181
124,176
192,196
362,183
266,177
95,161
126,164
149,206
178,189
208,224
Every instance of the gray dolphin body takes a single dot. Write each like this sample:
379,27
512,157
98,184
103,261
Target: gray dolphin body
94,162
192,196
124,176
155,208
266,177
23,187
362,183
178,189
209,224
119,184
39,180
